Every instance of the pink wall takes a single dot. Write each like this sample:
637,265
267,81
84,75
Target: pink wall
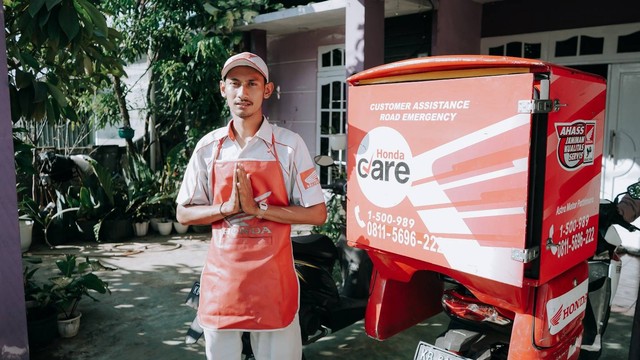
13,326
297,54
292,61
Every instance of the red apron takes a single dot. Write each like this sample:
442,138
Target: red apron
249,280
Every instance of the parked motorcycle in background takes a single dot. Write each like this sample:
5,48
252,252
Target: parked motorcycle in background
481,331
326,305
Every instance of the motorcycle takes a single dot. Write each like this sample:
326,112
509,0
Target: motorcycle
325,306
478,330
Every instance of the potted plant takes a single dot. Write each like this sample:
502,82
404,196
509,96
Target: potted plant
126,132
41,310
141,186
81,209
165,212
28,216
140,216
165,199
74,282
180,228
103,199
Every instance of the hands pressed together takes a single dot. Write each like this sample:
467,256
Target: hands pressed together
241,198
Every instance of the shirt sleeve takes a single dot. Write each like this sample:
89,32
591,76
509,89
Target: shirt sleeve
195,189
306,189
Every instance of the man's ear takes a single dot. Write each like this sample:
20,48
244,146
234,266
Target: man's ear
268,90
222,86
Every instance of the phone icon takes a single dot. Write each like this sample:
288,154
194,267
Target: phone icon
361,223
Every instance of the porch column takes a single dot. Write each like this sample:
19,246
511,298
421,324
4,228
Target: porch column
456,27
364,35
256,42
13,331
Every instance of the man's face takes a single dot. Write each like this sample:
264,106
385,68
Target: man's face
245,89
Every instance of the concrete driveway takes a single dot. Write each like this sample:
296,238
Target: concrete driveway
145,316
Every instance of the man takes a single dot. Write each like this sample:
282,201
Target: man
250,181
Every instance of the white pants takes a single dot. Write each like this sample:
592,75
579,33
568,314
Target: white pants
284,344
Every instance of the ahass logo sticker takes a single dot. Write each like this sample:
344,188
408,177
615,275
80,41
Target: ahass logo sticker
576,143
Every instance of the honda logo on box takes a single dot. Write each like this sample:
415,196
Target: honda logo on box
383,167
566,307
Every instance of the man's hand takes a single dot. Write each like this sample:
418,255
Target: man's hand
232,205
245,191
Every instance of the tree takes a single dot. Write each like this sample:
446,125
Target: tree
186,43
56,51
66,61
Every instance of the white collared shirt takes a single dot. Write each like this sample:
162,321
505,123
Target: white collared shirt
298,169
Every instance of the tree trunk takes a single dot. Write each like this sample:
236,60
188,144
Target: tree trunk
122,104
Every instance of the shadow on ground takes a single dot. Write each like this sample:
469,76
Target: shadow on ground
145,316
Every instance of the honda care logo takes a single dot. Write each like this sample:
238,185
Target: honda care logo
563,309
383,167
576,143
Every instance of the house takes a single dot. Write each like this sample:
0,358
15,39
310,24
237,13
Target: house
311,48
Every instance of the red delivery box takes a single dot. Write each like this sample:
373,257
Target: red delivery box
489,166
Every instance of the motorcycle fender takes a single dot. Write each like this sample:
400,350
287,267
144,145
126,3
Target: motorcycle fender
396,305
560,305
521,347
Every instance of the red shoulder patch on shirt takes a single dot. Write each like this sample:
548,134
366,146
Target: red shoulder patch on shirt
309,178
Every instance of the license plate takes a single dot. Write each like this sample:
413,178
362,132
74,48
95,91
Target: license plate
429,352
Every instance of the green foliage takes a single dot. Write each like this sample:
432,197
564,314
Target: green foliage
100,196
336,218
153,194
142,185
185,43
28,209
101,107
23,162
170,177
38,293
64,59
65,290
73,283
23,154
56,50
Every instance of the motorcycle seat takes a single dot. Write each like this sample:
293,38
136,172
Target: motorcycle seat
315,245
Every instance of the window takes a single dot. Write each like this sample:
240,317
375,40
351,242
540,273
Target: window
588,45
629,43
581,46
332,110
517,49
